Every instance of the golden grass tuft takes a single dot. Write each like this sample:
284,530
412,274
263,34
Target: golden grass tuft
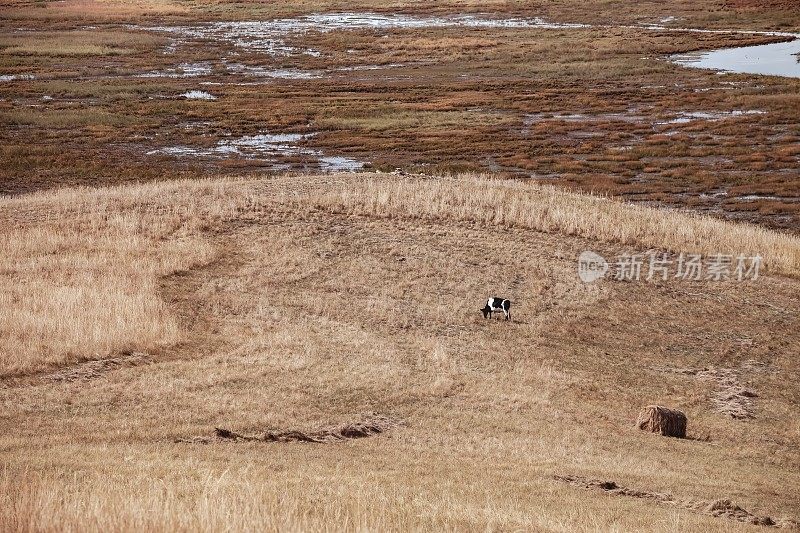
94,10
64,118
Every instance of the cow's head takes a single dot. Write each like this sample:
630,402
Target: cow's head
486,310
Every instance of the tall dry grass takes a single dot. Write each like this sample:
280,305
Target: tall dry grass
77,43
477,198
253,497
80,272
65,118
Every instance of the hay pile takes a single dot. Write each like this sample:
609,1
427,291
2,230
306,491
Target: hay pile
658,419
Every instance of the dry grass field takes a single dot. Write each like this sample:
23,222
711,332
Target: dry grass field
241,267
138,316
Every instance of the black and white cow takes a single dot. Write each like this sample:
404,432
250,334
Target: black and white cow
497,304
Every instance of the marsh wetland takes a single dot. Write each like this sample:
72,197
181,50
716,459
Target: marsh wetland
523,95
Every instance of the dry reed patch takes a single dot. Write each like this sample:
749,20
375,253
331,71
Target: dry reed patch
96,10
78,43
516,204
54,119
251,489
153,498
71,294
58,48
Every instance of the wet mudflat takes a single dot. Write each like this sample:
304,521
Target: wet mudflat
588,105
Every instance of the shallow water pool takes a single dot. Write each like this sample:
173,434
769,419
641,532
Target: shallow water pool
775,59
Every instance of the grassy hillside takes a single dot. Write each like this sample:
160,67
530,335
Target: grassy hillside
139,318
